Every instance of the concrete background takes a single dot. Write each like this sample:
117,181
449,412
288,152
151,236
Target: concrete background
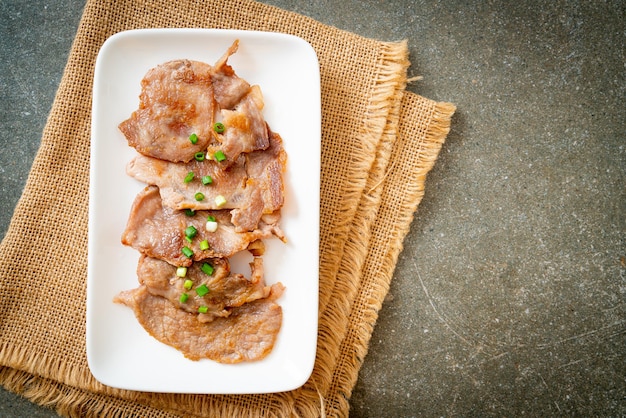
509,295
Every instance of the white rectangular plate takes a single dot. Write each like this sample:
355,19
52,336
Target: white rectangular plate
120,353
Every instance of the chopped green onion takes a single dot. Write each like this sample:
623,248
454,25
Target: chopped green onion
190,212
191,231
218,127
199,156
189,240
199,196
207,180
220,200
211,226
202,290
183,297
188,284
219,155
204,245
207,268
203,309
189,177
181,271
193,138
187,252
211,218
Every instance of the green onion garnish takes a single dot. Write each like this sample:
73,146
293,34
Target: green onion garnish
211,226
181,271
203,309
218,127
207,268
193,138
211,218
189,177
187,252
220,200
191,231
199,196
190,212
188,284
202,290
204,245
207,180
183,297
199,156
219,155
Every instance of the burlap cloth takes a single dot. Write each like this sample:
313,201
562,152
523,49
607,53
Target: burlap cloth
378,143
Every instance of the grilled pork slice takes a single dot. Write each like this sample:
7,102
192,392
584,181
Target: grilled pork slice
253,186
176,101
208,284
227,86
245,129
247,334
180,98
159,232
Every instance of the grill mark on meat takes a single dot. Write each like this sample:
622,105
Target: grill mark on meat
226,290
158,231
247,334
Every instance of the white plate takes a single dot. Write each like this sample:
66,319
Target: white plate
120,353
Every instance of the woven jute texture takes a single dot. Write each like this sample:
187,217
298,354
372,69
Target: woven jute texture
378,144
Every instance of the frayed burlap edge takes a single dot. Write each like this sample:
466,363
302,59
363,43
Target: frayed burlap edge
69,401
335,318
344,276
392,79
402,192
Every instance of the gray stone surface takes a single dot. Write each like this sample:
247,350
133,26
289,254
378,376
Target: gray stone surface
509,296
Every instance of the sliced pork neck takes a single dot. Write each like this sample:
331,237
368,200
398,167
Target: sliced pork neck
224,289
176,101
247,334
252,187
159,232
